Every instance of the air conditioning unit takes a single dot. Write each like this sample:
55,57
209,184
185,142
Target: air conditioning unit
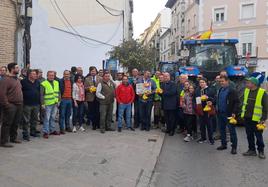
19,1
29,12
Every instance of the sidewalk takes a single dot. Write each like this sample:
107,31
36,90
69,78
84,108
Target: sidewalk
88,159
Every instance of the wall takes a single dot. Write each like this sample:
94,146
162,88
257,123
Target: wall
54,49
7,30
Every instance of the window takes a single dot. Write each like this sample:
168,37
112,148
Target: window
247,11
165,44
247,49
194,24
219,14
247,40
189,25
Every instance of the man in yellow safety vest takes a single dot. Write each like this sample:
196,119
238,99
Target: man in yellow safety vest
254,111
50,97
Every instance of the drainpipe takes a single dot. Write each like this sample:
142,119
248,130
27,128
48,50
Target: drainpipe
16,30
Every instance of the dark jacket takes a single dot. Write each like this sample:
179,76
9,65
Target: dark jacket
207,91
169,96
232,100
31,92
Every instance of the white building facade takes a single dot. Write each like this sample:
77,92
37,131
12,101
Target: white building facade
77,32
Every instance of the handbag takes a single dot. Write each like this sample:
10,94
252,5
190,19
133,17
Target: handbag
212,112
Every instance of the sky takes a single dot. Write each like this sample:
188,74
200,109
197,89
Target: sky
145,11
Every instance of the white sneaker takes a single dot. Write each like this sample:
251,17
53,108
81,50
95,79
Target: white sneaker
188,138
82,129
74,129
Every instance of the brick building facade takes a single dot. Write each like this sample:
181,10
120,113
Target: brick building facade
7,32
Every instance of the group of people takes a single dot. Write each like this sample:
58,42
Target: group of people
181,105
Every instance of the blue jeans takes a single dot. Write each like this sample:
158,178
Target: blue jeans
122,108
145,114
65,113
49,120
223,123
78,113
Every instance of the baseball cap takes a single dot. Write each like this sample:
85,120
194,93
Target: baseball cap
253,80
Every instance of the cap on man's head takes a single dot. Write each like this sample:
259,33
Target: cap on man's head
253,80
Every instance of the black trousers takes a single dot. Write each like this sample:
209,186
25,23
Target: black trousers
137,119
190,122
252,133
11,119
170,116
94,113
180,119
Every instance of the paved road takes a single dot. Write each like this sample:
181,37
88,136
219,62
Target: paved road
199,165
84,159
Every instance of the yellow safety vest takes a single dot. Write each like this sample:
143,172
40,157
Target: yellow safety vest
51,95
257,112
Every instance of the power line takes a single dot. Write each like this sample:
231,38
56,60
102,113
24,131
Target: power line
64,17
107,9
68,27
81,38
85,37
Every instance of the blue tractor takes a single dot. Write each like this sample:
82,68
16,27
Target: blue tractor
170,67
209,57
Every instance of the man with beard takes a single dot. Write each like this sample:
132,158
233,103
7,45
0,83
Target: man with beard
11,99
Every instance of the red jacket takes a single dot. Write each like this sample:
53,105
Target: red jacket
125,94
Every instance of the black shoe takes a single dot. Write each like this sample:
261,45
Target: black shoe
171,133
262,155
15,141
233,151
222,147
109,129
130,128
68,129
35,135
119,129
250,153
26,138
102,131
94,128
6,145
211,142
142,129
38,132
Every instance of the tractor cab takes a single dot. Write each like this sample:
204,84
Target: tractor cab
209,57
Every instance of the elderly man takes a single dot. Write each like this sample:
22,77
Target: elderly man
169,103
50,98
106,94
254,112
146,100
66,85
133,81
31,100
3,72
